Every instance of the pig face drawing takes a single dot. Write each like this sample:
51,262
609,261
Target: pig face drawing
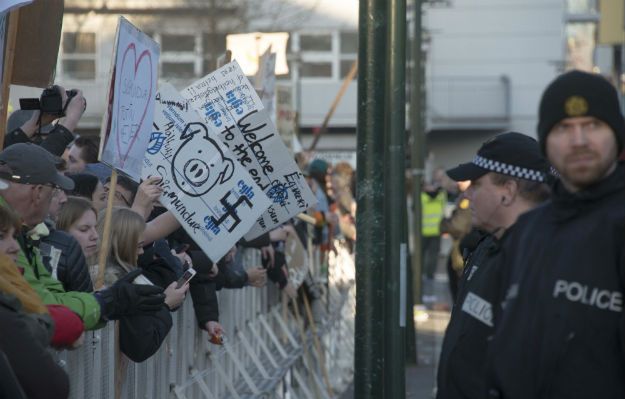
199,164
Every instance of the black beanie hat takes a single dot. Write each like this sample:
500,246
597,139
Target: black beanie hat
578,93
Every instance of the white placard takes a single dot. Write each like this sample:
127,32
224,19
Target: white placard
207,190
247,49
133,87
230,106
8,5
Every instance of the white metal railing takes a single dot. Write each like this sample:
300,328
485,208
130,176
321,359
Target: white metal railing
268,350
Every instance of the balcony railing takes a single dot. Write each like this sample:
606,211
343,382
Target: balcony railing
468,103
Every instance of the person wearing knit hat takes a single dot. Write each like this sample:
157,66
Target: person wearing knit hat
508,177
581,128
561,331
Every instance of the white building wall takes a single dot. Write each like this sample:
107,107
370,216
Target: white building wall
469,39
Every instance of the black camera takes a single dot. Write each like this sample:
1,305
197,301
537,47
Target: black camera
50,102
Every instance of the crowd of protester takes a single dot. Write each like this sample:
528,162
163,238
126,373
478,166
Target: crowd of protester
53,201
536,264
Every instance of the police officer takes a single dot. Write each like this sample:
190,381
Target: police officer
561,333
507,179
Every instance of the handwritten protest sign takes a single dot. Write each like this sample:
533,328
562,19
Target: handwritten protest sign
212,196
230,106
131,100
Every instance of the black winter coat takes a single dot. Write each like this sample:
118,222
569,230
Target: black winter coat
203,290
64,259
24,342
201,287
141,335
561,334
461,372
55,142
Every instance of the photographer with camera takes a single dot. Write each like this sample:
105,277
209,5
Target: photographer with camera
56,103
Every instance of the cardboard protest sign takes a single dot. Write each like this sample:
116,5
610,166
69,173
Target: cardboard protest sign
127,127
285,115
36,50
265,80
230,106
296,260
213,197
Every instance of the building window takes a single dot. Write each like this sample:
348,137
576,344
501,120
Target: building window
180,55
325,55
177,43
349,52
78,56
317,55
309,42
581,6
213,46
316,69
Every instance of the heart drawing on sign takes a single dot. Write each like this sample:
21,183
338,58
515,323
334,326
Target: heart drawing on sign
134,91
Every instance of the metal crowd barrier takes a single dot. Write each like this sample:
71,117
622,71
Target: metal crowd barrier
271,350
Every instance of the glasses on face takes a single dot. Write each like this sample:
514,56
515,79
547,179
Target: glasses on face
56,190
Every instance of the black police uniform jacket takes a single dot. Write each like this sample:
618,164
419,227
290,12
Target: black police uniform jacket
461,372
561,334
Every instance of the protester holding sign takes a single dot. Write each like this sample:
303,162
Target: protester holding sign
32,175
140,334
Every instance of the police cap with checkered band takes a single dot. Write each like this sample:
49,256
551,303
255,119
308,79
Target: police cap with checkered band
513,154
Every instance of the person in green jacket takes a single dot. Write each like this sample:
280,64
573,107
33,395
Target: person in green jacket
33,178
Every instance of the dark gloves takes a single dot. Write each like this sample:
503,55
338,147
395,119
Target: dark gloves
125,298
276,273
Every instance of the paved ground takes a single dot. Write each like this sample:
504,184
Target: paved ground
430,321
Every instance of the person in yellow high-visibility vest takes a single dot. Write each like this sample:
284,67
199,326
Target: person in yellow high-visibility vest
433,201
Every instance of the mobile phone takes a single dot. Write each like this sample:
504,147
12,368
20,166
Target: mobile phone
187,275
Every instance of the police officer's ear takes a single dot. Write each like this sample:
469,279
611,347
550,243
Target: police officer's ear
511,188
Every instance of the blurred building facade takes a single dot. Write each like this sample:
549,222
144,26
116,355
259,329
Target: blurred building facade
192,34
487,61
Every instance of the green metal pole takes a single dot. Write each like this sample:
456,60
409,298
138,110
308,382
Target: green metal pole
370,246
411,339
417,149
395,272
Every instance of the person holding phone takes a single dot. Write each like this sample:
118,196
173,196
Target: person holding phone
140,334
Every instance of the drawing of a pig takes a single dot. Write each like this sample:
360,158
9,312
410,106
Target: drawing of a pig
199,164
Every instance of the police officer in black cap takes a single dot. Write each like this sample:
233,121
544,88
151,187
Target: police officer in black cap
508,177
561,334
